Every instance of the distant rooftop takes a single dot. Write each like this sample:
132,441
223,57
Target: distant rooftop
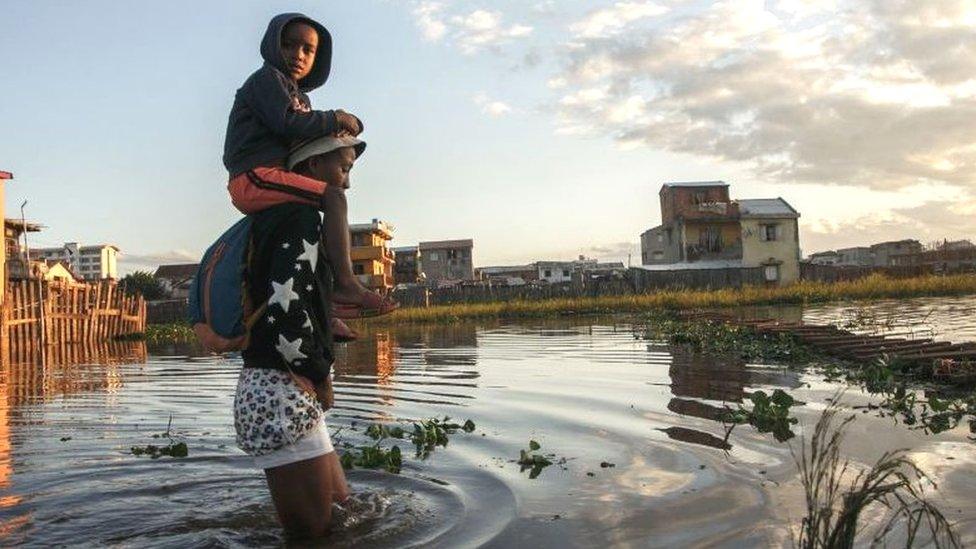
766,207
695,184
6,175
405,249
177,272
696,265
441,244
22,225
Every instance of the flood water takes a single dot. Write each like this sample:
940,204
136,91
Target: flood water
591,393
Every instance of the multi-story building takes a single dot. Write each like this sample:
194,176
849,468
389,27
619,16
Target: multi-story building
372,261
94,262
882,253
408,265
448,261
858,256
702,227
507,275
770,238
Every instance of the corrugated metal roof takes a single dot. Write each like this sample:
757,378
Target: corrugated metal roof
766,207
695,184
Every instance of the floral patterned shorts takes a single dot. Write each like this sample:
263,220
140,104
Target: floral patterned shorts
271,411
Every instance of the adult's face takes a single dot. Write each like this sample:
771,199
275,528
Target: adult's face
333,168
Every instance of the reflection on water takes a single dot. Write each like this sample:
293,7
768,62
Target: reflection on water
589,393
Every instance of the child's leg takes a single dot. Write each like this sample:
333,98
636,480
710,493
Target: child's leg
262,188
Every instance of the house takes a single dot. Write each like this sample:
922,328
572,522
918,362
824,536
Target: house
829,257
883,252
447,261
16,258
858,256
555,271
770,238
507,275
407,266
703,228
58,270
176,279
93,262
944,257
372,260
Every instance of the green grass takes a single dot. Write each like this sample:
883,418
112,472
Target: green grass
869,288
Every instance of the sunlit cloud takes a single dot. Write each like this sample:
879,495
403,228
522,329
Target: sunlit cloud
491,107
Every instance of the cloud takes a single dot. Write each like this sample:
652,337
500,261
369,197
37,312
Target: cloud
491,107
149,262
880,94
607,21
427,15
482,29
928,222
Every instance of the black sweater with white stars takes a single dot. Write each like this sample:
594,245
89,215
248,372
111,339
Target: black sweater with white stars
287,272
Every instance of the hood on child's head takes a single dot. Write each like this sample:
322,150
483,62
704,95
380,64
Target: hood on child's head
271,50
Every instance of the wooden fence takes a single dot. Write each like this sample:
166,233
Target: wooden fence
43,318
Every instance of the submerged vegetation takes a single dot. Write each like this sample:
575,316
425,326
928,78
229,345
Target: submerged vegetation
869,288
939,408
836,506
174,332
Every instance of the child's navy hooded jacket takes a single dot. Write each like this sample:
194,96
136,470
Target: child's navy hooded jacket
271,111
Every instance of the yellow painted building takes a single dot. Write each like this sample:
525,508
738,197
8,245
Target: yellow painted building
771,238
372,260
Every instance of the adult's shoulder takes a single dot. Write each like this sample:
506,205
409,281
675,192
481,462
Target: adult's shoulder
286,220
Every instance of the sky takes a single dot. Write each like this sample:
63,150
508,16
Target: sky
541,129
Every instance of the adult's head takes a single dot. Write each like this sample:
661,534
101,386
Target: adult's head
328,159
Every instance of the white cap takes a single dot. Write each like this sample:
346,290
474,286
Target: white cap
324,145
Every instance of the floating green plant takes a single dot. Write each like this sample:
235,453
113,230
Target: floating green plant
769,414
533,461
426,435
176,447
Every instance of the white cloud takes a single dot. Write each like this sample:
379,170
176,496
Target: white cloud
490,106
606,21
483,29
428,18
880,94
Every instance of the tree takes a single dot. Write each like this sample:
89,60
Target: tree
143,283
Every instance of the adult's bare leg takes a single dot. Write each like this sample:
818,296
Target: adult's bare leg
303,493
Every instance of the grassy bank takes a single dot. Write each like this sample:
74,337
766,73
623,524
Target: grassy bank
870,288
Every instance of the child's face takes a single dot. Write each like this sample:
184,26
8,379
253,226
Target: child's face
299,42
334,168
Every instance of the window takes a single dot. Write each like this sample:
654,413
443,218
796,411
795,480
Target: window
772,273
658,255
660,237
698,198
768,232
565,272
548,273
358,269
433,256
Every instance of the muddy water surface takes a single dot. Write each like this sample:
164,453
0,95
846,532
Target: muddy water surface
592,394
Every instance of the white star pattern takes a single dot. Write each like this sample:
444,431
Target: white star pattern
298,266
290,350
308,288
308,321
285,246
283,294
311,253
271,319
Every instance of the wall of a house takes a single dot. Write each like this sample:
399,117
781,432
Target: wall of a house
785,249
